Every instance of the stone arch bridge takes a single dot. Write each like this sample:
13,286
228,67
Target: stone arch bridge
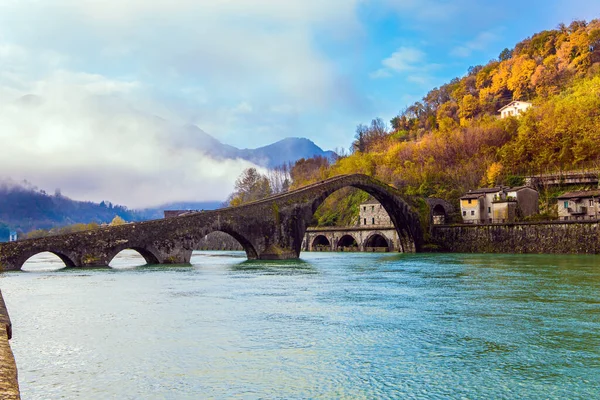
272,228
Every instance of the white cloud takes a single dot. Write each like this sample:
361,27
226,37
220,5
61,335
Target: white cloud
407,61
481,42
404,59
243,70
92,145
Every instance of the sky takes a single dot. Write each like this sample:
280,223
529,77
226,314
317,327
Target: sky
107,83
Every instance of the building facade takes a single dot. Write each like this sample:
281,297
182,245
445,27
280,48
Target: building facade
373,214
498,205
579,205
514,108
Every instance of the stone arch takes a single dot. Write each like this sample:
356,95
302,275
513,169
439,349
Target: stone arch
150,255
439,211
439,214
66,259
247,245
346,241
377,240
320,242
405,220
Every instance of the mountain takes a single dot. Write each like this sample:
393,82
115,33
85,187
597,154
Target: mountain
284,151
270,156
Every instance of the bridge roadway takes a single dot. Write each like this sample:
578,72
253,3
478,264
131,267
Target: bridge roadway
272,228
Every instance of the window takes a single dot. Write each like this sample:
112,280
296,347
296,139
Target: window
566,204
469,201
464,213
373,221
472,212
364,221
489,210
365,208
372,208
591,202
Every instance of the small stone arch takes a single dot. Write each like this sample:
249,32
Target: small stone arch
377,241
440,211
347,243
149,254
248,247
68,261
321,243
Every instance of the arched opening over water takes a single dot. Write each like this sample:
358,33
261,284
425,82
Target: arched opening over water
46,261
347,243
377,242
226,240
132,257
321,243
360,202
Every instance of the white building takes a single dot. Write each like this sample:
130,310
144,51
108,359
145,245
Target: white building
514,108
12,236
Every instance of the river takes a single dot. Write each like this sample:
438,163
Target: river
331,325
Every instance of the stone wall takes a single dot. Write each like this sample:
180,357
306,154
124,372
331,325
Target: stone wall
561,237
9,385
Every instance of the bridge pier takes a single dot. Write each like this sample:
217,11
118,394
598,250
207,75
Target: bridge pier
277,253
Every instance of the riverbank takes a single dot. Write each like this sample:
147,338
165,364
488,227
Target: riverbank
9,385
553,237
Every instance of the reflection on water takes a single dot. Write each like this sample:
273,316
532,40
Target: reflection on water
334,325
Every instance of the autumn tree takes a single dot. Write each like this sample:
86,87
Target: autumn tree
117,221
251,185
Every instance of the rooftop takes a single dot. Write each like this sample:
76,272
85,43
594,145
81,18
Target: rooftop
515,102
580,194
370,201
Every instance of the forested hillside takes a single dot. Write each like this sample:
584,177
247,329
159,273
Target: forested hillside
25,208
453,140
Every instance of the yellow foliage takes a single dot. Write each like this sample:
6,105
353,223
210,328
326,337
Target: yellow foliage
492,174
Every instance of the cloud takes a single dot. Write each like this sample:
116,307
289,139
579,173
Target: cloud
404,59
269,52
88,141
115,80
481,42
409,62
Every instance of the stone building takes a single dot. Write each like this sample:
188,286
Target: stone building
498,205
372,213
579,205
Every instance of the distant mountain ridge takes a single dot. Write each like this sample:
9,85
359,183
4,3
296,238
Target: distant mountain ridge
270,156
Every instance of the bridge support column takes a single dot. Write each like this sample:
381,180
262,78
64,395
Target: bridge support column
277,253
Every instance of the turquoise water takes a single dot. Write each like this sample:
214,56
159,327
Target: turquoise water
332,325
